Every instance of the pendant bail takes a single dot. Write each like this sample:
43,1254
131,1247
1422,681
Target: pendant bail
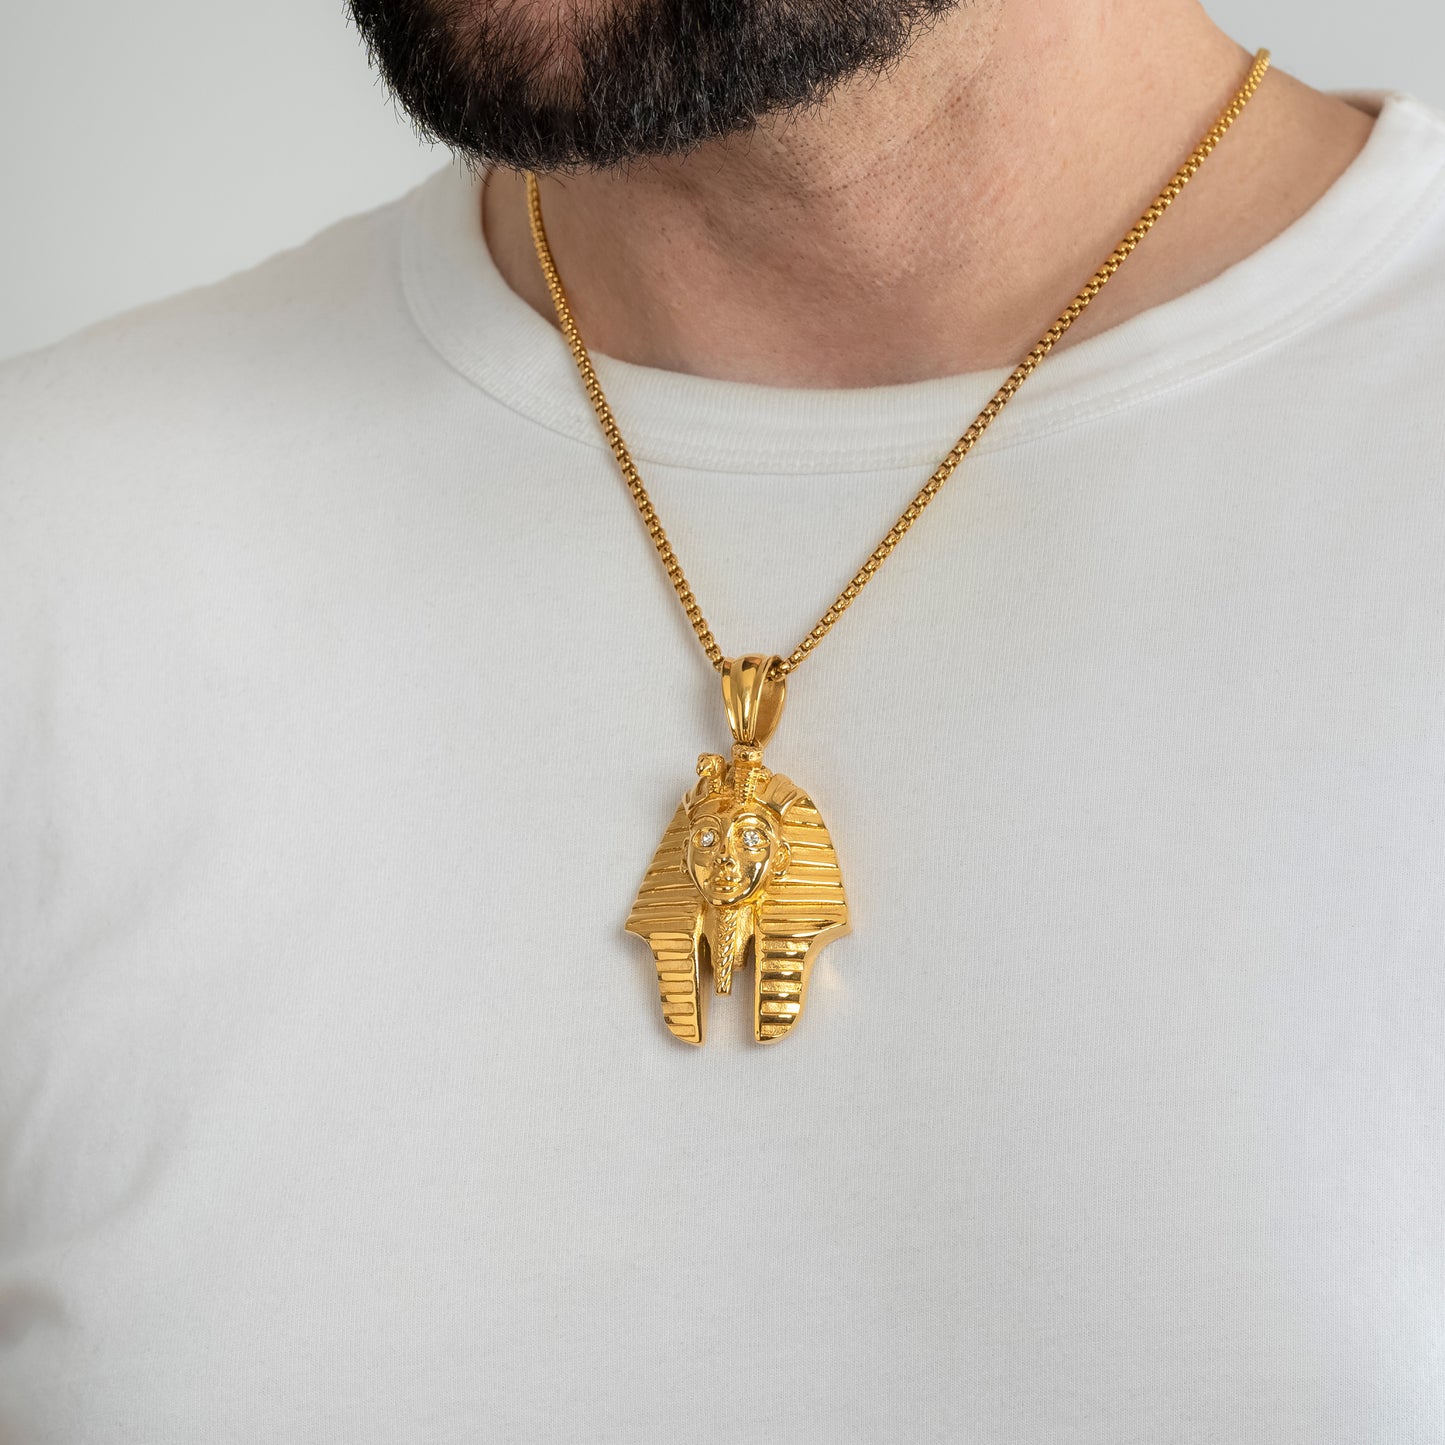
753,698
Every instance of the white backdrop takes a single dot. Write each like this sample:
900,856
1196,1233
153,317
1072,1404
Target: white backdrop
154,144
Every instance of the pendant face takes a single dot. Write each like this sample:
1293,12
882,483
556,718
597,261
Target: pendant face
745,874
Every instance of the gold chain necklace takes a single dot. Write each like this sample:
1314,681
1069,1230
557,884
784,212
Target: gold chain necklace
746,871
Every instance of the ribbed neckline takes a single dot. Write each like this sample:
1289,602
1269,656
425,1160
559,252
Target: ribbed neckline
492,337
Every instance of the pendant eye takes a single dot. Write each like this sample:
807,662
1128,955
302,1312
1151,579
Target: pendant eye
752,838
706,838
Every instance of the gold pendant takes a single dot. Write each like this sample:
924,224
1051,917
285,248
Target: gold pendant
745,874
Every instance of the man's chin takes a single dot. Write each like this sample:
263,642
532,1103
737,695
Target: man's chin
559,85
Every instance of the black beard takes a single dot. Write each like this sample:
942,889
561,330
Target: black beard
577,90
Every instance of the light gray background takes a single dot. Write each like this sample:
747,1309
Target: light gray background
151,145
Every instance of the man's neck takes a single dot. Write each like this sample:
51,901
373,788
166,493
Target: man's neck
937,219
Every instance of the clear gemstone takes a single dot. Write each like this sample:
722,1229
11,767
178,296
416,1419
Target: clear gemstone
707,838
752,838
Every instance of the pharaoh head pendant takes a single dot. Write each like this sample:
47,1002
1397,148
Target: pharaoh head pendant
745,875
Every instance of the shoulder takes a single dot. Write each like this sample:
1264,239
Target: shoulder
171,353
145,413
148,456
1404,164
1380,333
1356,287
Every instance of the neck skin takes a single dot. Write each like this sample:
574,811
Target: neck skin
936,221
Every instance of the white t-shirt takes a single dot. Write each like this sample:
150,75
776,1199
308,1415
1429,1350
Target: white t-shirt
344,702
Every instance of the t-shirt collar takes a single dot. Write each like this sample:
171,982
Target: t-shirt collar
498,342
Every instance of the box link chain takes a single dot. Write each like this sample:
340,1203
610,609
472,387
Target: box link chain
956,454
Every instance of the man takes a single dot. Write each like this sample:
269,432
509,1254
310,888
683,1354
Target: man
347,700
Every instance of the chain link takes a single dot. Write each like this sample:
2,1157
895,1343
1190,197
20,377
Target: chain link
957,452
